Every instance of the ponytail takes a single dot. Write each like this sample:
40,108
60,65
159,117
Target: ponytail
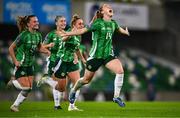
22,22
97,15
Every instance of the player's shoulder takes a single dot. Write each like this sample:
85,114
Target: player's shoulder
98,20
51,33
112,20
38,33
24,32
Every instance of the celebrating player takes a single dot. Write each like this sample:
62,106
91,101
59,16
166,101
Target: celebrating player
52,37
22,52
101,52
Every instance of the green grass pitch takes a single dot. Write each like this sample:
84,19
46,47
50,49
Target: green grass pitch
92,110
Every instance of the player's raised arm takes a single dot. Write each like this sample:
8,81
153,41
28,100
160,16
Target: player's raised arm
124,31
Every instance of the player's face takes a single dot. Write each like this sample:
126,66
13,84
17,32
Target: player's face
33,23
79,24
61,23
107,9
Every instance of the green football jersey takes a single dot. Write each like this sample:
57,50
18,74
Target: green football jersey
102,32
52,37
26,47
70,47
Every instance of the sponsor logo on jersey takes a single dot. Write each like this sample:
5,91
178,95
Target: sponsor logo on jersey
89,67
22,73
62,74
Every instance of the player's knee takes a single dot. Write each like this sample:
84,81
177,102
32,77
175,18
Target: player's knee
25,92
86,81
60,88
120,71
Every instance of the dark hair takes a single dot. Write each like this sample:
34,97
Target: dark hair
74,19
22,22
58,17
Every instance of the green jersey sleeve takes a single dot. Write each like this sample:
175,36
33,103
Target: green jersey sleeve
19,39
116,26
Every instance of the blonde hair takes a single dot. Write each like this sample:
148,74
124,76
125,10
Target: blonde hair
58,17
74,19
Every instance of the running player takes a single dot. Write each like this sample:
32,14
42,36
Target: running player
68,67
52,37
101,52
22,52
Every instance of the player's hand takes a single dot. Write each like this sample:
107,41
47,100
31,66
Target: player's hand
48,53
127,32
75,61
51,45
84,61
17,63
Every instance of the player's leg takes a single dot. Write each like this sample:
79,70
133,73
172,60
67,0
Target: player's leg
84,80
47,78
74,76
61,86
25,82
10,83
57,95
58,92
20,98
116,66
19,84
92,66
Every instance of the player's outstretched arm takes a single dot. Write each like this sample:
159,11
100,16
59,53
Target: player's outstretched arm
48,45
75,32
124,31
65,38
